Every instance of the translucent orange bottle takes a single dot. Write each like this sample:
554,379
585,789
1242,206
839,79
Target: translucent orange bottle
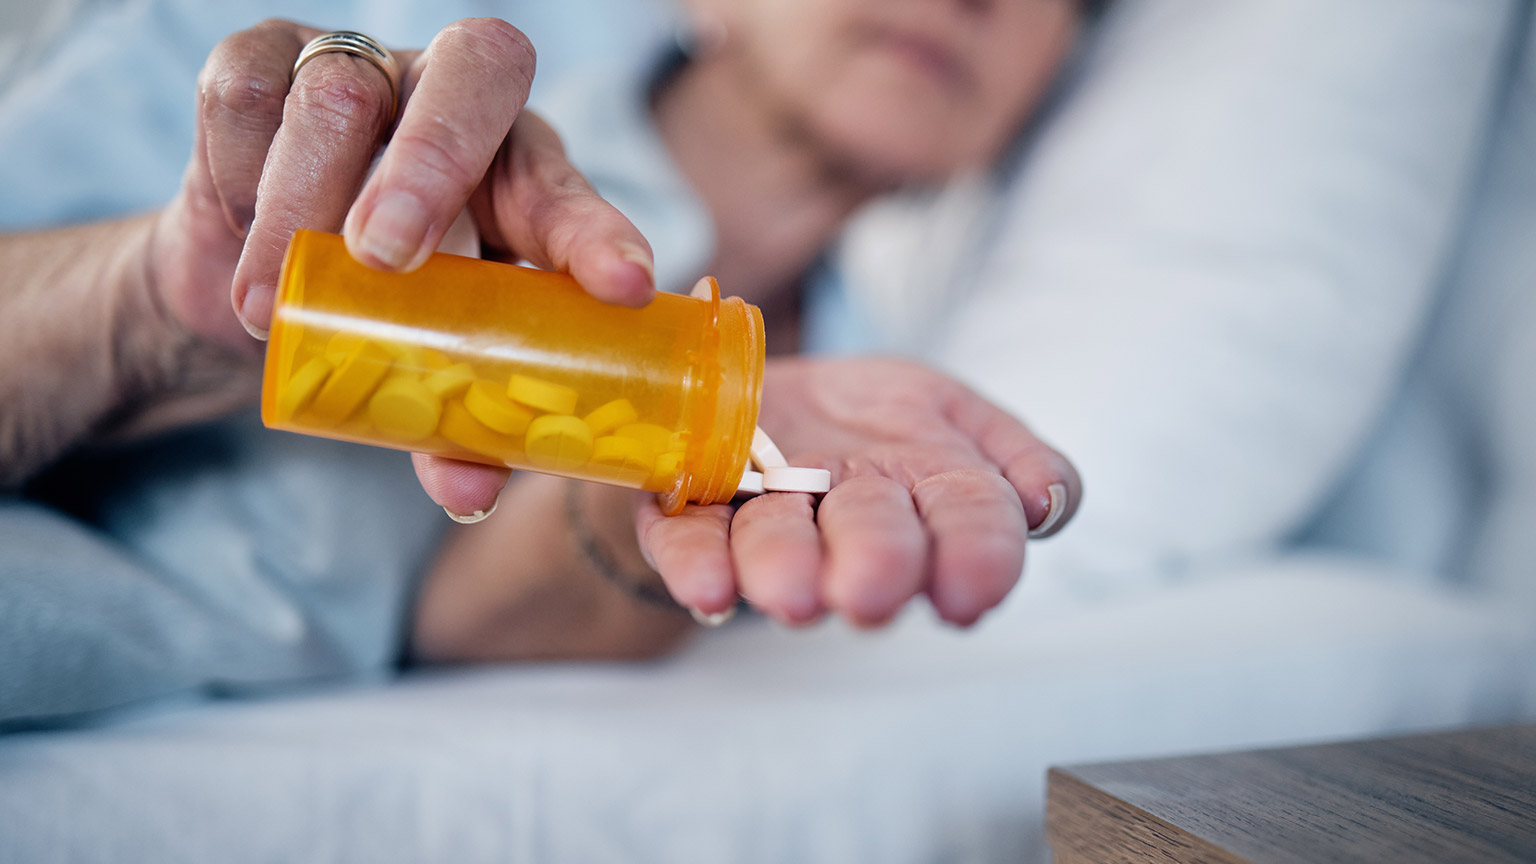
513,366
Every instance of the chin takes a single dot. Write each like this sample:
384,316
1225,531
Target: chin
894,154
896,142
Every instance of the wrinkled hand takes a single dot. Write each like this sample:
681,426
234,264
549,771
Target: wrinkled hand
273,155
934,493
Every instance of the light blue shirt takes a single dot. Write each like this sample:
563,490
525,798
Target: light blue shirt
229,558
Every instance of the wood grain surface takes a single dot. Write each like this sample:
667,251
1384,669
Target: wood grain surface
1447,798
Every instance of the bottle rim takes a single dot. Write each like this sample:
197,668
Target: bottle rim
726,389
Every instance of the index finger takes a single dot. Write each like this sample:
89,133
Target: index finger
461,97
537,206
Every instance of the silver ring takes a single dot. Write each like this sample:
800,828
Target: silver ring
358,45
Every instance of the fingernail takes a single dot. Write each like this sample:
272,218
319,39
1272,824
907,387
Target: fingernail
472,518
248,312
636,254
394,230
1058,495
714,620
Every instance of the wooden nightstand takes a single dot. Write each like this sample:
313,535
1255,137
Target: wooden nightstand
1429,799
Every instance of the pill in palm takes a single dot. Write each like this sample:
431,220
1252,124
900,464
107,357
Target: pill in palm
765,454
813,480
751,484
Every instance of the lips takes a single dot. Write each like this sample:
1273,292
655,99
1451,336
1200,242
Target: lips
927,54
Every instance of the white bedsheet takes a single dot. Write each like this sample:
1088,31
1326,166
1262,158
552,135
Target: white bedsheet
760,745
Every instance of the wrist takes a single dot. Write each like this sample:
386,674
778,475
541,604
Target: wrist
165,372
517,587
619,564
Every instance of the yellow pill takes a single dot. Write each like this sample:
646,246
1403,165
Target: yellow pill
303,386
407,357
485,402
543,395
451,381
611,416
667,466
405,409
464,430
341,346
558,443
419,359
351,383
626,459
658,438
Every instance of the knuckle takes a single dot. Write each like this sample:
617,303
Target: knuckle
443,157
794,506
550,182
859,493
554,227
246,93
972,488
340,100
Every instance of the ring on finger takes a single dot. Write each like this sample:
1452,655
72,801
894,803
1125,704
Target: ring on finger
358,45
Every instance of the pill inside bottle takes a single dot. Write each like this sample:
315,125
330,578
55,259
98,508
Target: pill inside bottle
509,365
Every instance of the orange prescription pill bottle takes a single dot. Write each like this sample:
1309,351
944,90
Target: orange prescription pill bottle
513,366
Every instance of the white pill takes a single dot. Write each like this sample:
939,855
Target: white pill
751,484
765,454
813,480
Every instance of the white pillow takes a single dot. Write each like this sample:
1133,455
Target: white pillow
1206,280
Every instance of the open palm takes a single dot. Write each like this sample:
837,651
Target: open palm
934,493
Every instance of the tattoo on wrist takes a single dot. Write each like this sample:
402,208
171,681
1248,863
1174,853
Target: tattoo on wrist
638,585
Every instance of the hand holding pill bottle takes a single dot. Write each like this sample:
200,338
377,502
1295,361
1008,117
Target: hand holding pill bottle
513,366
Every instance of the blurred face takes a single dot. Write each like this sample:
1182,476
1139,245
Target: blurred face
898,89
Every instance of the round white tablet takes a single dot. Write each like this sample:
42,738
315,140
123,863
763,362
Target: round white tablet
813,480
765,454
751,484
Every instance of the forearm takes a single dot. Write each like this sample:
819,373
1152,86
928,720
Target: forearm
520,586
88,352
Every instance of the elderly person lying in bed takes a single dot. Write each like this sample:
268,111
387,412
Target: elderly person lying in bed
115,332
